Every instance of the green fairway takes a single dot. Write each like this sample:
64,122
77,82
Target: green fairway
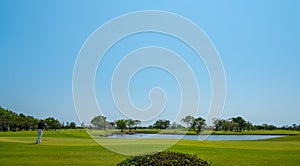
75,147
57,148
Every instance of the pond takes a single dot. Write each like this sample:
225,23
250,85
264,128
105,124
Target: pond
198,137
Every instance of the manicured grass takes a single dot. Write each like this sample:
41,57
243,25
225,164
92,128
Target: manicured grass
277,151
75,147
66,147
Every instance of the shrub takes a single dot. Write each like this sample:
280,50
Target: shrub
165,158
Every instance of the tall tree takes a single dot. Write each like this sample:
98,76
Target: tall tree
10,120
4,119
188,121
230,125
121,124
52,123
161,124
218,123
241,122
111,125
130,123
199,123
31,123
249,126
72,125
100,122
136,123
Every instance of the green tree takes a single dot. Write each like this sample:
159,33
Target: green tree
188,121
121,124
161,124
21,122
136,123
218,124
230,125
111,125
269,127
4,119
31,123
10,120
174,125
249,126
72,125
100,122
199,123
52,123
130,124
241,122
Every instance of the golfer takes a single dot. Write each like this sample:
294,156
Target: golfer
41,127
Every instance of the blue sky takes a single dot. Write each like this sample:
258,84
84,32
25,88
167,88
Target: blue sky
258,42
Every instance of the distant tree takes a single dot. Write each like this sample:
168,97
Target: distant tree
72,125
286,127
161,124
249,126
82,124
259,127
21,122
121,124
130,124
230,125
9,120
31,123
218,124
268,127
111,125
241,122
136,123
188,121
4,119
174,125
198,124
100,122
52,123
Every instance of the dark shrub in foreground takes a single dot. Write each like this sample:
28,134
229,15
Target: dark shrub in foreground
165,158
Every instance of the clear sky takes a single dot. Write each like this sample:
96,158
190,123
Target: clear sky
258,42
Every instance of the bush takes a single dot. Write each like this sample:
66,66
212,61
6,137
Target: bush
165,158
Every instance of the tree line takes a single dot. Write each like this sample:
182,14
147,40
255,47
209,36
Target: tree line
11,121
197,124
239,124
100,122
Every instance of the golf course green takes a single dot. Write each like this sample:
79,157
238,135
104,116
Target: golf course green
75,147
